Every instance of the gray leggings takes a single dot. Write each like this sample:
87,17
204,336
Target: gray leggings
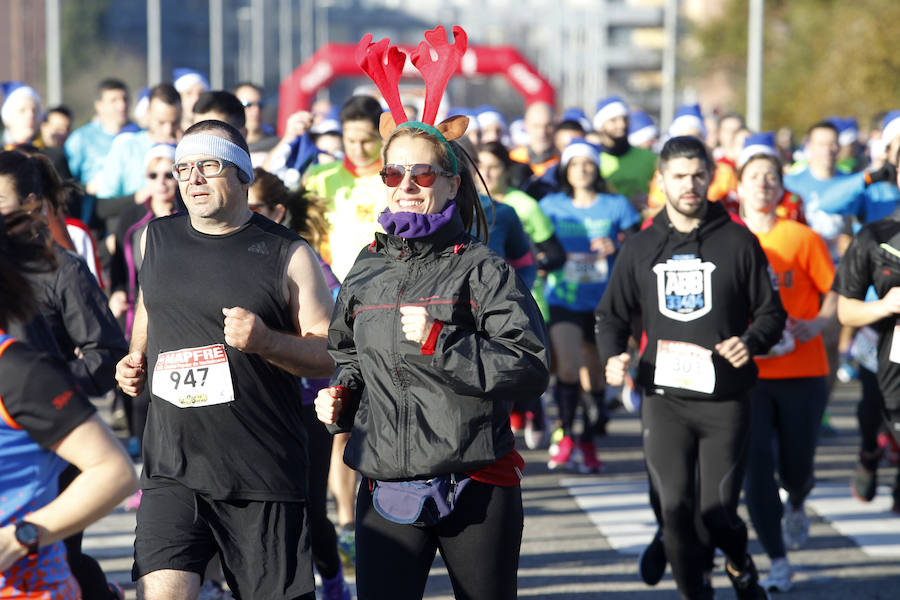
785,423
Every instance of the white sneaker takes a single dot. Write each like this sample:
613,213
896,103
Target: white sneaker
779,578
795,528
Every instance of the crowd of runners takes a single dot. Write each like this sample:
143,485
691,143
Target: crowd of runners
382,302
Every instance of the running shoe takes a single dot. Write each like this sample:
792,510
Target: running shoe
335,588
826,429
888,445
535,430
864,483
516,421
589,461
555,438
795,527
134,501
847,371
746,581
563,455
346,543
652,560
779,578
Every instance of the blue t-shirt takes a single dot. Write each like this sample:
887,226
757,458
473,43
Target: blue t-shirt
507,238
580,283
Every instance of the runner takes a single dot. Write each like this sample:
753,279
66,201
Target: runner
591,225
696,280
626,168
790,396
304,214
871,260
463,339
225,461
46,425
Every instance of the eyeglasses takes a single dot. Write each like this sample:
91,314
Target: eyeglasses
422,175
247,104
208,167
166,175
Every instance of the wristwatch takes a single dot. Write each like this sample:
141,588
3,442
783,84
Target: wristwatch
29,536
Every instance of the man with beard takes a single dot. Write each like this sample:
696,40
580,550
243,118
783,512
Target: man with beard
695,279
626,168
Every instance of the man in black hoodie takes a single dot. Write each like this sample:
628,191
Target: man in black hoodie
702,289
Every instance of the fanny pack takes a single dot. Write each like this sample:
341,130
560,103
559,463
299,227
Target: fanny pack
423,502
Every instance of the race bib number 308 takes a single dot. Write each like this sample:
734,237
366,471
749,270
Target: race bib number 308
685,366
193,377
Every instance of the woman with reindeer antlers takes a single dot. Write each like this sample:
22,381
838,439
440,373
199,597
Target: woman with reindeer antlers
434,336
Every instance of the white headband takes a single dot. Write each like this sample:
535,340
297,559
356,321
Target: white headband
610,111
579,149
219,147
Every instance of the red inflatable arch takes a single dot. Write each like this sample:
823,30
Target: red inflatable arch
337,60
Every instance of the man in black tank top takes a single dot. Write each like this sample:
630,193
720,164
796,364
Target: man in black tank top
233,310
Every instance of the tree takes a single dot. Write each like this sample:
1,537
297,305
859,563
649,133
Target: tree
821,58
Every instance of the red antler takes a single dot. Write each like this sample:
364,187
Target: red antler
438,72
385,73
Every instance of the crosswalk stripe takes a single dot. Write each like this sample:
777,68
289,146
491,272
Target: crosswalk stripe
621,512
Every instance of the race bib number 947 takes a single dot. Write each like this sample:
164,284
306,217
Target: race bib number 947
193,377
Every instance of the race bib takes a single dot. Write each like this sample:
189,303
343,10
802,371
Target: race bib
585,267
685,366
894,356
193,377
864,348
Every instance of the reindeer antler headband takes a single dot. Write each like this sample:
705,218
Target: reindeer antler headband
383,64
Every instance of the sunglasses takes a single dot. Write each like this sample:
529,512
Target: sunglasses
258,103
422,175
154,176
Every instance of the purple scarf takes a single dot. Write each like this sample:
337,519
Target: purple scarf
415,225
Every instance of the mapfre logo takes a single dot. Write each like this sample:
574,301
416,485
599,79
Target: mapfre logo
684,288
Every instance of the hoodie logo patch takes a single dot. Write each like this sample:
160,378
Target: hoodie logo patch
684,288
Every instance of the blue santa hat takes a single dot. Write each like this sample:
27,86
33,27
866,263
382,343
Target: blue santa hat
641,128
577,115
517,134
847,128
890,126
185,78
688,118
579,147
607,109
141,105
13,91
756,144
330,124
488,115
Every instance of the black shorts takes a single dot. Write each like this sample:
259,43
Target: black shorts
265,546
584,321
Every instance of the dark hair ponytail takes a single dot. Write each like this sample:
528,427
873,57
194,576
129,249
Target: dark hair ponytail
25,247
468,202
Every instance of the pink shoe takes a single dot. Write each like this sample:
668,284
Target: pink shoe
563,455
889,444
134,501
589,462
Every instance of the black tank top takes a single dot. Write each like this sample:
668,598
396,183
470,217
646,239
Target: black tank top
253,447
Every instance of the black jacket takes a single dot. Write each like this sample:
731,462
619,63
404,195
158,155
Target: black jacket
700,287
415,415
86,334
